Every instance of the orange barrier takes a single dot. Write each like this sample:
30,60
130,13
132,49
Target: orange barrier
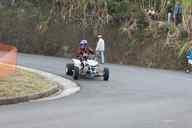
8,60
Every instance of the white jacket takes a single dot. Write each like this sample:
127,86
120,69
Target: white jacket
100,45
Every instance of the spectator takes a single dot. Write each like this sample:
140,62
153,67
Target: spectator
178,13
149,13
153,14
100,49
169,13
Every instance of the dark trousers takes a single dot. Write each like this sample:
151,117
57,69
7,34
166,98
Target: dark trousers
178,19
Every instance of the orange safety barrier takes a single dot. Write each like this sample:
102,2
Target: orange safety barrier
8,60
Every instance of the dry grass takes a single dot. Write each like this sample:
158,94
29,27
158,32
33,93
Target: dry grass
23,83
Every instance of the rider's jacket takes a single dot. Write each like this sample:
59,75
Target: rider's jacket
83,54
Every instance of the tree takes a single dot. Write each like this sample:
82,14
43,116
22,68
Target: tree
187,12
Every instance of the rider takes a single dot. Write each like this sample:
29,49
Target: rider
84,51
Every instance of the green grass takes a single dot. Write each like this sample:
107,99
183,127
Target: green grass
23,83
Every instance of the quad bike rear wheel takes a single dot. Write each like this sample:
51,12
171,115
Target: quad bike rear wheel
69,69
106,74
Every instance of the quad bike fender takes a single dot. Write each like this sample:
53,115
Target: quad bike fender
77,63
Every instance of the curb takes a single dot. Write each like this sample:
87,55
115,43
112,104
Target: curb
67,86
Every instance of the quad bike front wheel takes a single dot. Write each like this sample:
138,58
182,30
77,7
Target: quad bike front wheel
69,69
76,73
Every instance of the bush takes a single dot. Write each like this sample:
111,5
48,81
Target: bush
118,7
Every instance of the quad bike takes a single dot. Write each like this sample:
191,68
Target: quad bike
89,68
188,66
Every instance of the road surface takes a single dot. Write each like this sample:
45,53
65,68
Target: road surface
133,98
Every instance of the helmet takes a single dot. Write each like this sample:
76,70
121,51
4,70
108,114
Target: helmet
83,44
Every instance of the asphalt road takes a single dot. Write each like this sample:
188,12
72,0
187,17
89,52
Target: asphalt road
133,98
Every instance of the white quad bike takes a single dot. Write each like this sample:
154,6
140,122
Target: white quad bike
91,69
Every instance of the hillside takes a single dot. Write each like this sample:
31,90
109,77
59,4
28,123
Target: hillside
39,27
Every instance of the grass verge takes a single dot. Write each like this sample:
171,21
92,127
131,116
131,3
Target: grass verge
23,83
